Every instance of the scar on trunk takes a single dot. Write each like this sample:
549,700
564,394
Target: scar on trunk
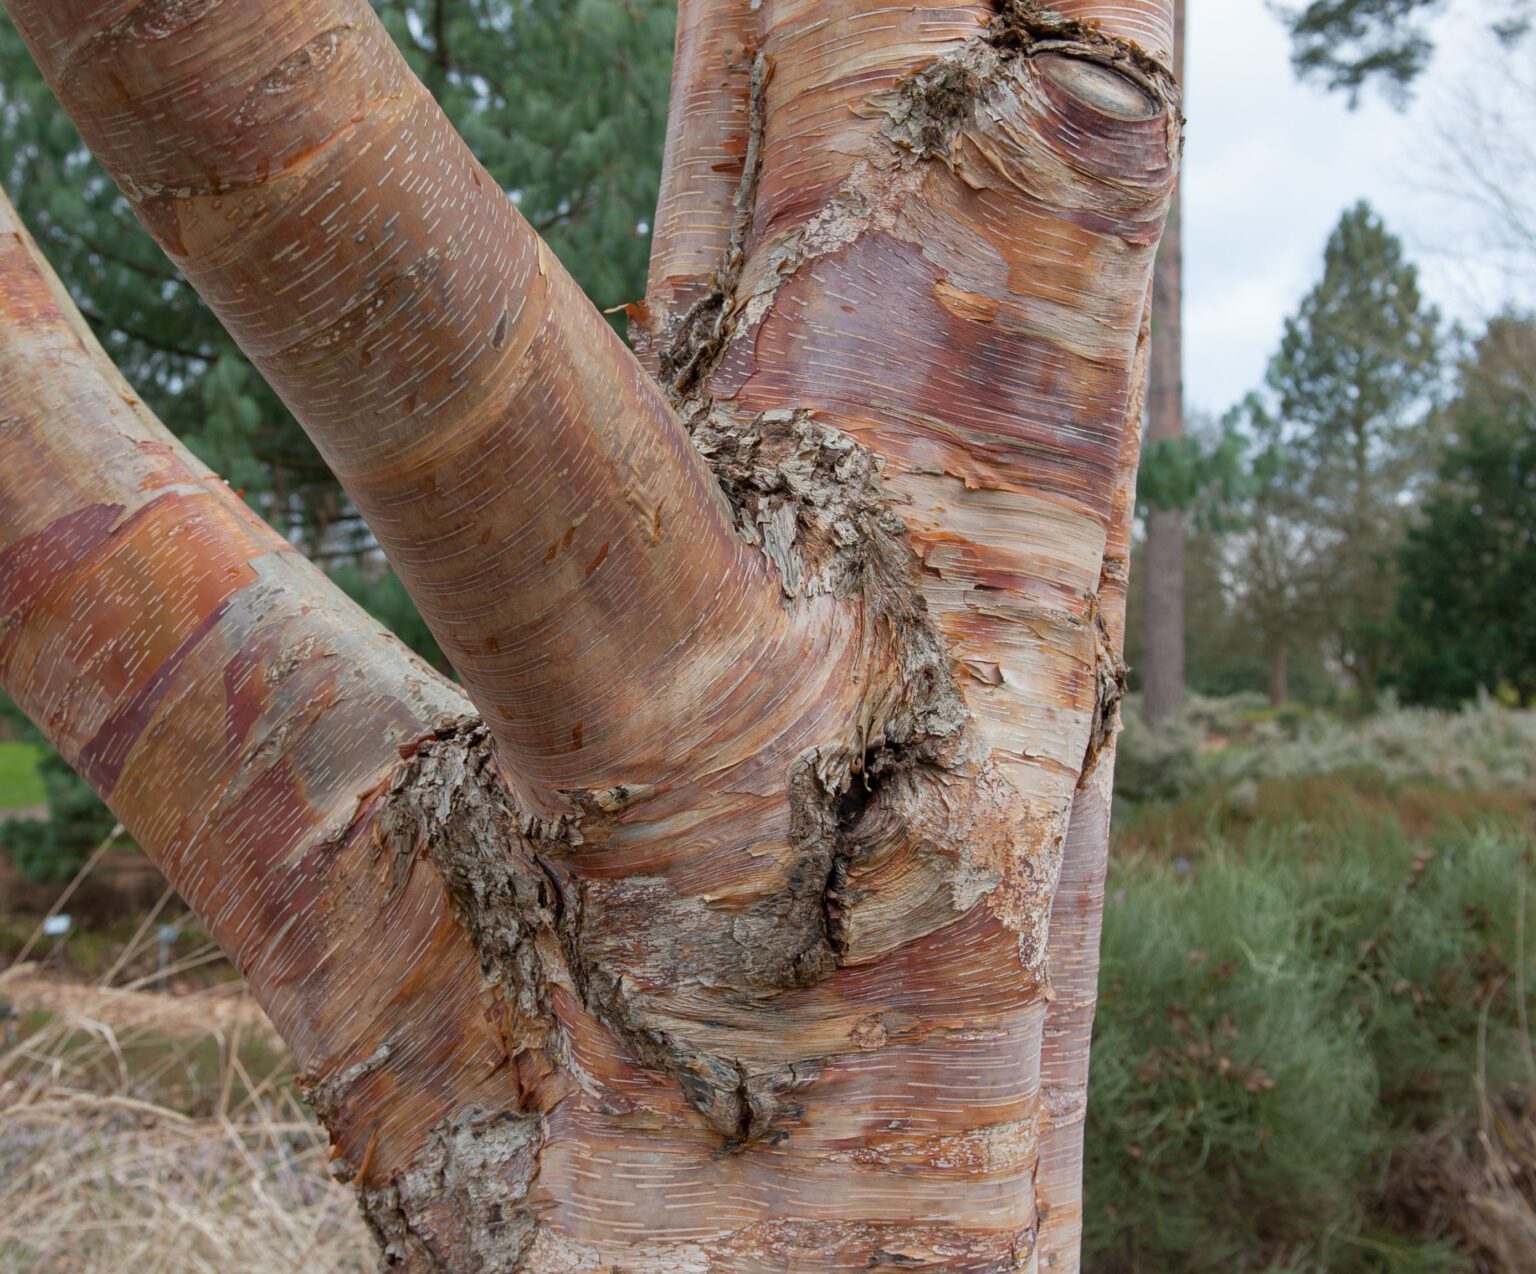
701,332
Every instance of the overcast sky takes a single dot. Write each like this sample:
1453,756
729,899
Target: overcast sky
1270,166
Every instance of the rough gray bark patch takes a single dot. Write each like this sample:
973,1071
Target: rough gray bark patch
464,1197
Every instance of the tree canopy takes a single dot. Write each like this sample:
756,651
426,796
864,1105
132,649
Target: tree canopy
1466,610
1307,487
1347,44
1350,386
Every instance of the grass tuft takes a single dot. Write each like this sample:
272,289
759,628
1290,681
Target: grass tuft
158,1132
1313,1050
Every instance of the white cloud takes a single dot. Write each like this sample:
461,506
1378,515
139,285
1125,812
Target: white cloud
1270,166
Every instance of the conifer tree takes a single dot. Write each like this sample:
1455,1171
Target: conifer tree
1348,44
1467,609
1351,387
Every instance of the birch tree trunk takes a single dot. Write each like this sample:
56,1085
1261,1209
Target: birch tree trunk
740,912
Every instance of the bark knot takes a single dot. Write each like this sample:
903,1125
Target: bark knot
928,110
804,493
448,803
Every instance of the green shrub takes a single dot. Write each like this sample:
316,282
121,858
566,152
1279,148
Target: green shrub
1230,1092
53,849
1156,765
20,783
1279,1020
1485,745
1215,744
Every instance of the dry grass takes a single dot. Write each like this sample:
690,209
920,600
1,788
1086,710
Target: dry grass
217,1011
1476,1185
159,1133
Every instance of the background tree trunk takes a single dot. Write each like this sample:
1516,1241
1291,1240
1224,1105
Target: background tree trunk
1162,672
719,939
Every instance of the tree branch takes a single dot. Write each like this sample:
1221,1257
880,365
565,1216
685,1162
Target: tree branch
708,127
1001,385
238,713
530,486
1077,911
815,952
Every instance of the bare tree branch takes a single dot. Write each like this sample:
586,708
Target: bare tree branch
528,483
239,714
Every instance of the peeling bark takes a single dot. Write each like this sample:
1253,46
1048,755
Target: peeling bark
242,718
714,929
462,1204
1077,910
311,190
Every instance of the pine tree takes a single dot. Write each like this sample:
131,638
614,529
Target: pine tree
1347,44
1466,610
1352,386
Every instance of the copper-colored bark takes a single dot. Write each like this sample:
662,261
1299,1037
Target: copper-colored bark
1077,911
743,927
239,714
524,475
1078,908
709,131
